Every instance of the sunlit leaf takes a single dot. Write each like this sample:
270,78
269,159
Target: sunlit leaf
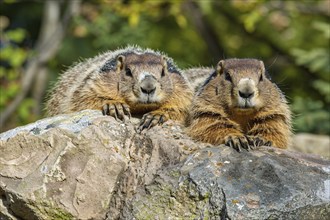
133,19
16,35
323,27
24,111
181,20
250,20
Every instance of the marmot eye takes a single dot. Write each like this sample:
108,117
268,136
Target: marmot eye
128,72
227,76
261,78
163,73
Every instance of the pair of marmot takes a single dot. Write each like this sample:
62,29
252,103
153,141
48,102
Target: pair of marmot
236,104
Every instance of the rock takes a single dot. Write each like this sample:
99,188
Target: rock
219,183
88,166
312,144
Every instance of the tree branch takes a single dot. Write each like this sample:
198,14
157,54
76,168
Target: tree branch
202,26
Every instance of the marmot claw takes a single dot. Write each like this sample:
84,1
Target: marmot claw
237,142
117,110
150,120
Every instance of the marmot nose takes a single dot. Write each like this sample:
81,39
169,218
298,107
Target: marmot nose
148,90
148,85
246,94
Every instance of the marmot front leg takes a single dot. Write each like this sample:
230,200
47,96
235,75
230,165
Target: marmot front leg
118,110
218,131
160,116
272,131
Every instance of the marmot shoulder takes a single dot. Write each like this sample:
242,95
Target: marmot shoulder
239,106
124,82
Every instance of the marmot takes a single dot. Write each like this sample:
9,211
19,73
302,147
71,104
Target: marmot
123,82
239,106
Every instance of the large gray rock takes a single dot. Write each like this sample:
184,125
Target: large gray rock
89,166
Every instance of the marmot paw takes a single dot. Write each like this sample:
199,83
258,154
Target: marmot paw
149,120
117,110
257,141
237,142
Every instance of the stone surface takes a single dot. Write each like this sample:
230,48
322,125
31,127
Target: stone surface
88,166
219,183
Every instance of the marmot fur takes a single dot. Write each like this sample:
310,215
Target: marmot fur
197,75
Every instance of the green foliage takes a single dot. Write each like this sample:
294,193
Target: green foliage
313,115
8,91
310,116
24,112
9,1
324,88
10,75
14,57
316,60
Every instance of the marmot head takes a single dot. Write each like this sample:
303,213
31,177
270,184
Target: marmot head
245,81
143,76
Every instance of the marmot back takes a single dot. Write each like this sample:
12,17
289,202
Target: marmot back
123,82
240,107
197,75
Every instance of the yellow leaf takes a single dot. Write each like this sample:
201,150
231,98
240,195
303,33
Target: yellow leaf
133,19
181,20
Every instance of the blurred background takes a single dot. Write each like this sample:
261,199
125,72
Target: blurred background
40,39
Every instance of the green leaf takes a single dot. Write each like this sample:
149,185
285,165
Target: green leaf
251,19
24,111
16,35
323,27
15,56
324,88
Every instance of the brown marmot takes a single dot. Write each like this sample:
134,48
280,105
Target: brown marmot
123,82
239,106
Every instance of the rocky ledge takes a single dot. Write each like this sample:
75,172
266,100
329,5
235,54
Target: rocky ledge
88,166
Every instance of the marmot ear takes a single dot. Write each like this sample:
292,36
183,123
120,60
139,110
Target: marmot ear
220,66
262,67
120,62
263,71
164,62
